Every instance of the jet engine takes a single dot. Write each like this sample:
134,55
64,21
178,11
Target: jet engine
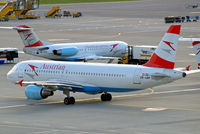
37,93
66,51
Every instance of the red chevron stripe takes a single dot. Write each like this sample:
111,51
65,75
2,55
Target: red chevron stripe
37,44
158,62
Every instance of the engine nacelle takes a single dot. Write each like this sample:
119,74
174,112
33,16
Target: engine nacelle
37,93
66,51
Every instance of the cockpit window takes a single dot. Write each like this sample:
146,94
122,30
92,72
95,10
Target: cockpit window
14,68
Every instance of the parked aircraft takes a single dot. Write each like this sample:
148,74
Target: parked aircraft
83,51
196,47
45,77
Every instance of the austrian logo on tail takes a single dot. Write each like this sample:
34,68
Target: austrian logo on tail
169,44
198,51
113,46
33,68
28,35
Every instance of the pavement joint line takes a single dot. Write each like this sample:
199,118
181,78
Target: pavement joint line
97,99
45,129
118,19
146,107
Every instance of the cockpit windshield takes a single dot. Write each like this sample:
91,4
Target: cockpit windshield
14,68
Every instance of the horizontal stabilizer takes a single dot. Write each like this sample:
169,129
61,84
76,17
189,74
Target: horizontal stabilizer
16,28
192,71
189,39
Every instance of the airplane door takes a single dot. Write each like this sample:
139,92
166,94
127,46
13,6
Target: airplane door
21,72
136,77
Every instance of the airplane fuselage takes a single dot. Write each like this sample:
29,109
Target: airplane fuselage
95,78
85,50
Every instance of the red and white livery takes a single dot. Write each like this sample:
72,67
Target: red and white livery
45,77
83,51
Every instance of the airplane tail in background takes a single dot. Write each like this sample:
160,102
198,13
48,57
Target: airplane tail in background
28,36
196,47
164,56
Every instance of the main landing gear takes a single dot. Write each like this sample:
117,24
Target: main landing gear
71,100
106,97
68,100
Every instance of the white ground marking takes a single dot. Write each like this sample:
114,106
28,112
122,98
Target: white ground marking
194,12
192,54
118,19
190,47
21,52
154,109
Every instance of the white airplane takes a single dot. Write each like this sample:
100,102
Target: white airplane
196,47
44,77
107,50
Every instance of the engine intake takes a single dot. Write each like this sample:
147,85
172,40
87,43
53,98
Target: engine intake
37,93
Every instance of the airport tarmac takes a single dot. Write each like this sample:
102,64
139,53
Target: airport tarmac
172,108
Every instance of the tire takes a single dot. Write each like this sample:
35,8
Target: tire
66,101
71,100
103,97
108,97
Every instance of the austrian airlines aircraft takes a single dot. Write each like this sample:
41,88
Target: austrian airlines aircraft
69,51
45,77
196,47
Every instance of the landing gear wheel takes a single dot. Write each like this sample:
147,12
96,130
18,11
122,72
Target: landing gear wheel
106,97
66,101
103,97
69,100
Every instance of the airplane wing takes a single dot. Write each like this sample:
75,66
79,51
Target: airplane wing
52,84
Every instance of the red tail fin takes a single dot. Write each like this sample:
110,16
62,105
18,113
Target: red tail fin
164,56
29,38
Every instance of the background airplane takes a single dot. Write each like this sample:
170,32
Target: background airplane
45,77
196,48
69,51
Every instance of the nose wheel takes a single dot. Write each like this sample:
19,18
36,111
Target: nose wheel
106,97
